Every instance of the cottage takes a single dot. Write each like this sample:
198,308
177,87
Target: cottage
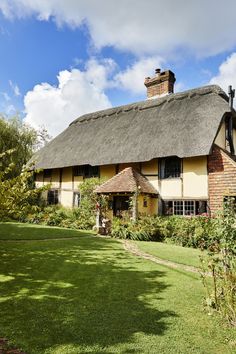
174,152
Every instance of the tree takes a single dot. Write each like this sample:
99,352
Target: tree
18,196
23,139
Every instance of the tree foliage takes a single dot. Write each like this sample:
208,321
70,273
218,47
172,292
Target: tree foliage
18,196
22,140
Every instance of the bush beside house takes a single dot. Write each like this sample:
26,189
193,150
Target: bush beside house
194,232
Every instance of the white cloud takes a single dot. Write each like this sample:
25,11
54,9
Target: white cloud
227,73
6,96
10,109
132,78
143,27
78,92
15,88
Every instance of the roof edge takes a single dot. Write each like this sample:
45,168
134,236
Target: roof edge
151,103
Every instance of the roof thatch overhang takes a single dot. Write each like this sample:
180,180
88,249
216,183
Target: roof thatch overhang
183,124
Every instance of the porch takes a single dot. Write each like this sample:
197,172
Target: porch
130,194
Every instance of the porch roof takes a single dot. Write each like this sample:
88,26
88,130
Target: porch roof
127,181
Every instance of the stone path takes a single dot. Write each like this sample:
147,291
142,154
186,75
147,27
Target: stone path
132,248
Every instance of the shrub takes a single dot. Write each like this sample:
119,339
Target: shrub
63,217
221,262
194,231
83,217
187,232
145,229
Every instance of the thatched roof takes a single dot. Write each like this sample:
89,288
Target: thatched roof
127,181
183,124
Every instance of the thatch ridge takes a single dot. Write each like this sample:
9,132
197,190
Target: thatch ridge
151,103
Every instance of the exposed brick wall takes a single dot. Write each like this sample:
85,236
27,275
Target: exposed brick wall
221,177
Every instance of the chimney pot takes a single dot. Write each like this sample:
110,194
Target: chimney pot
157,71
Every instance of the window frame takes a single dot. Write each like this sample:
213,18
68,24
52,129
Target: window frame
182,207
79,199
55,197
86,171
163,168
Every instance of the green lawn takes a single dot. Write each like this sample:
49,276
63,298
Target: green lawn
88,295
19,231
178,254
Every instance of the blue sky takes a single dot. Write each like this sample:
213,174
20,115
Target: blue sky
60,59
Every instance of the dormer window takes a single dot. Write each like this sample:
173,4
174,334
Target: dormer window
170,167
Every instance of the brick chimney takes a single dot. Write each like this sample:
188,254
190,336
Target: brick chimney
161,84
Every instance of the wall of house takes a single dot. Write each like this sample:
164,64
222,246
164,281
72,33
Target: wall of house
107,171
66,193
39,179
55,179
193,183
234,138
220,138
221,141
66,179
150,170
66,198
195,178
76,182
222,178
109,212
171,188
152,205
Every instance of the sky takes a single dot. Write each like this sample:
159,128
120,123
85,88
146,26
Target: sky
60,59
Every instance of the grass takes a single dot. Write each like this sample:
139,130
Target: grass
19,231
87,295
177,254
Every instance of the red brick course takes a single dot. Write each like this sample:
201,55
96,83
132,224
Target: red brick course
221,178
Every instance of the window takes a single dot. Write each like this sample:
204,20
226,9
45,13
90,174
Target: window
145,203
178,207
86,171
185,207
78,171
201,207
52,198
170,167
47,173
189,207
76,199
